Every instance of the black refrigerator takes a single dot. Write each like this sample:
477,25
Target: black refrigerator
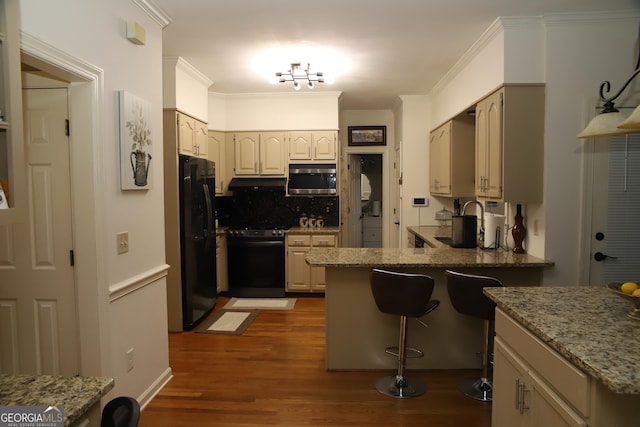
197,238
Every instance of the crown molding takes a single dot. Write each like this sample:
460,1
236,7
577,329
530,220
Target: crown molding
154,11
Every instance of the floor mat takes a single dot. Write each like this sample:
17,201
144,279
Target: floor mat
227,322
261,303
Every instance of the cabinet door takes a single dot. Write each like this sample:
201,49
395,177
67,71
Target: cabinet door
318,274
201,136
324,145
299,272
440,160
548,409
222,275
272,149
186,134
216,153
481,147
508,394
494,145
299,145
246,146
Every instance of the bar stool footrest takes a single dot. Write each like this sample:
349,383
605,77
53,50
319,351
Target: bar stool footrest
410,352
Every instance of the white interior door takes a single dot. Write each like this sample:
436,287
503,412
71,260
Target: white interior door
355,202
37,297
615,228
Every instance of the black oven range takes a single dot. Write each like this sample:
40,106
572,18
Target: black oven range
256,261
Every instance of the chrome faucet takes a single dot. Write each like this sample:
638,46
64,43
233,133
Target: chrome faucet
464,208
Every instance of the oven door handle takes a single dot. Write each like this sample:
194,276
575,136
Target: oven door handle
254,243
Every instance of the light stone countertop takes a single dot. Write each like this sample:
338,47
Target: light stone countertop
419,258
435,254
76,394
587,325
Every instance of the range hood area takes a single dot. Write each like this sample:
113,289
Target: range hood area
258,184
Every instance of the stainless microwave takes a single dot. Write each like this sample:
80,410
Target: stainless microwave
313,179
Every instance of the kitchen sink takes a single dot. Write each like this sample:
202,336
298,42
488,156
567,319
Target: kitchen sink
445,240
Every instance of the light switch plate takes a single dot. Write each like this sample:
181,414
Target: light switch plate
123,242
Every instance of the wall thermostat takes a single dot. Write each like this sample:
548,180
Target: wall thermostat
420,201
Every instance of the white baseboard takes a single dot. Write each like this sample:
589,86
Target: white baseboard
151,392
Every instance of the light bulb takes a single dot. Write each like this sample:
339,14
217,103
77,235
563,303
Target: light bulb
310,84
296,85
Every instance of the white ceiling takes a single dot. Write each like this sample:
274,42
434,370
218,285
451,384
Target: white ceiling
390,47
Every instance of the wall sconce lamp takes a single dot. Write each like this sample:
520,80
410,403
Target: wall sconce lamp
298,72
610,121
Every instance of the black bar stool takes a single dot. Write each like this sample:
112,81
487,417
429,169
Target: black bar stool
465,293
404,295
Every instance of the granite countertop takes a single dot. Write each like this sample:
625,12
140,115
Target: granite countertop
587,325
434,254
420,257
76,394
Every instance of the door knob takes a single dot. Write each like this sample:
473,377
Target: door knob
599,256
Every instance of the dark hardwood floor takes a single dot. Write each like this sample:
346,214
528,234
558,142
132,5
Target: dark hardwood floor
274,374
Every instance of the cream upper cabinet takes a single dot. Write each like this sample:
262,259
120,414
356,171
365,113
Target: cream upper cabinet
451,158
440,160
509,144
259,153
272,150
217,153
192,136
246,147
313,145
202,140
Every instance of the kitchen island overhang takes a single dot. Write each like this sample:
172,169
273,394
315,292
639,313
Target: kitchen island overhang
357,333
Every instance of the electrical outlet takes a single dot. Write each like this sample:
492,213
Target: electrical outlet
130,360
123,242
535,227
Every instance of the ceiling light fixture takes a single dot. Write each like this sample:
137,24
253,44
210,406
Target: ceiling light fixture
299,72
610,121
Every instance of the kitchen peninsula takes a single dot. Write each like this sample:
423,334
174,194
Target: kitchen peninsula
570,352
357,333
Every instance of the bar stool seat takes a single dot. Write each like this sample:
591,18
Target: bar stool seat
405,295
467,297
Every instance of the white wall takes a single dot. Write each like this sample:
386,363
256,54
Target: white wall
185,88
579,56
415,164
133,307
274,111
369,118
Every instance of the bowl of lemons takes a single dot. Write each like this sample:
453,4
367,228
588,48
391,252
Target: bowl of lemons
629,291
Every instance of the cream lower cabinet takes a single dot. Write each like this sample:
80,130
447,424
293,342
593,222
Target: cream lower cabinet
222,276
531,402
301,277
534,386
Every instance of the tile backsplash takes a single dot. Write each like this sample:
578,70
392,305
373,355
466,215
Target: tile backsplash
260,208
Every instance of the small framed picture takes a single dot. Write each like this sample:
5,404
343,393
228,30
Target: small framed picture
367,135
